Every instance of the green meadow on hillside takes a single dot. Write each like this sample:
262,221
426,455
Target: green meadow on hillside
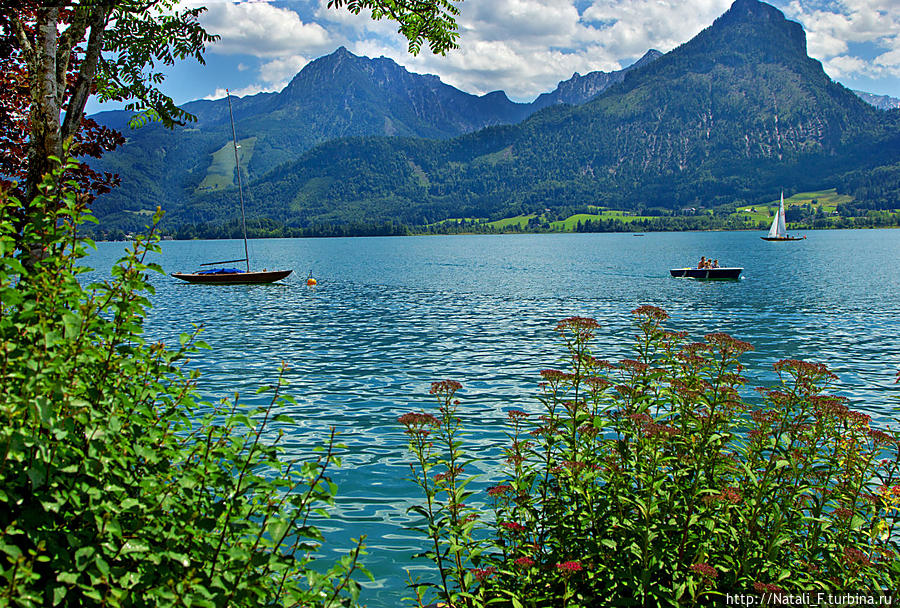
813,209
569,224
827,200
221,171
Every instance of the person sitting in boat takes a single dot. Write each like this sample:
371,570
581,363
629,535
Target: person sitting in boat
715,264
702,263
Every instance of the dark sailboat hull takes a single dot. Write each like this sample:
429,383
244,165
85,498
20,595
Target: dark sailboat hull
783,238
707,273
232,278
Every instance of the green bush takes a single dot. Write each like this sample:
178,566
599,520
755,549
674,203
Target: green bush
118,486
656,481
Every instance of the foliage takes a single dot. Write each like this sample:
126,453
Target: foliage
143,36
654,482
448,521
433,21
876,189
68,52
90,140
118,485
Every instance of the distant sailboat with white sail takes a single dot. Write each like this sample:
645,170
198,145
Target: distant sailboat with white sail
778,230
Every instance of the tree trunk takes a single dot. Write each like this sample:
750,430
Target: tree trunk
45,126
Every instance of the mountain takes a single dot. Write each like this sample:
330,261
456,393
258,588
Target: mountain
882,102
580,89
339,95
737,113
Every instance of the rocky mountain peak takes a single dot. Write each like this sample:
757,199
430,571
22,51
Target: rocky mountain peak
761,22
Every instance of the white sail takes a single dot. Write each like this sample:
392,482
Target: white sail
778,229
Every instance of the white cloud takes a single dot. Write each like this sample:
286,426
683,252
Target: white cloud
276,36
282,69
361,24
524,23
844,65
631,28
525,47
823,45
484,66
890,61
252,89
262,30
834,26
848,20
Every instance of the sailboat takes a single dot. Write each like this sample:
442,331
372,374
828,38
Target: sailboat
233,276
778,231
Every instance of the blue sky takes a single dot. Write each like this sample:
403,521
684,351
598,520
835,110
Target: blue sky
523,47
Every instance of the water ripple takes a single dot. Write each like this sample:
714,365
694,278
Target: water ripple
391,315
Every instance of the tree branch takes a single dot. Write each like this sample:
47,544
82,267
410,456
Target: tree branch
76,30
82,88
22,39
72,35
432,21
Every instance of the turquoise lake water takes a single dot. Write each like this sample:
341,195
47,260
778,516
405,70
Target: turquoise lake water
390,315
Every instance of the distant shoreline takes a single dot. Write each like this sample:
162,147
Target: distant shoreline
501,233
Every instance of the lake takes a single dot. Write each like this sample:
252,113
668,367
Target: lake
390,315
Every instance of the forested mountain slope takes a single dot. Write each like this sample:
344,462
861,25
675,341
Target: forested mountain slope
339,95
736,113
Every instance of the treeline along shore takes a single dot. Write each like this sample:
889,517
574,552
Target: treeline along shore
812,218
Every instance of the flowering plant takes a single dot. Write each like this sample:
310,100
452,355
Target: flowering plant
657,480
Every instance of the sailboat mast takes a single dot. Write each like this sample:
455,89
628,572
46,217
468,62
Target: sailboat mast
237,165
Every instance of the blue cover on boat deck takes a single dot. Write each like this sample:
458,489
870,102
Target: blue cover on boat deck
221,271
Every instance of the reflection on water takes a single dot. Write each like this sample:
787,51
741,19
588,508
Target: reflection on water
390,315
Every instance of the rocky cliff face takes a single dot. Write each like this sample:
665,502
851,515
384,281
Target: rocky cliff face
742,89
882,102
580,89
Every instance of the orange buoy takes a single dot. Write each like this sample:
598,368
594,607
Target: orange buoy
311,281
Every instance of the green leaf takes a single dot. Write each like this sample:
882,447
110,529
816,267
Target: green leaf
83,557
44,409
67,578
71,324
277,529
11,550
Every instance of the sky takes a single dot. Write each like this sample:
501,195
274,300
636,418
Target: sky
523,47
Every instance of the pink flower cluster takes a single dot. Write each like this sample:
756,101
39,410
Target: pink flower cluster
705,569
651,312
447,387
766,588
569,567
418,423
728,344
513,526
482,573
